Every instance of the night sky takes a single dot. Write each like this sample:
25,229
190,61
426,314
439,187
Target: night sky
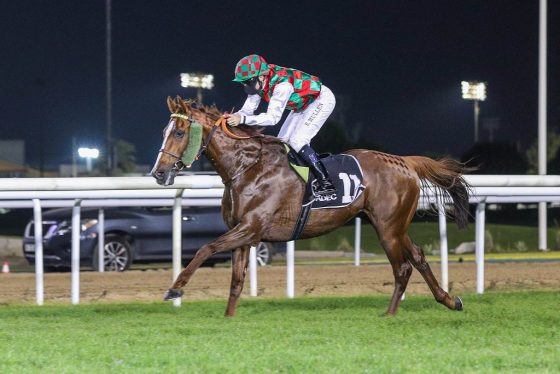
396,65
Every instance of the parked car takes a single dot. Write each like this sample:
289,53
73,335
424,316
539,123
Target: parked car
132,235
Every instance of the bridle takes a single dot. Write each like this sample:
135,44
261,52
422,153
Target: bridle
178,165
220,123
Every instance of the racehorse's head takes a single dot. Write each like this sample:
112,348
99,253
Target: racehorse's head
175,140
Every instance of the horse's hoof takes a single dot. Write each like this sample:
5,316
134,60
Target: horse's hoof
172,293
458,303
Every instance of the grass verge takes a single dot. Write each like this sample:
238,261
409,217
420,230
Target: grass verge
497,332
499,238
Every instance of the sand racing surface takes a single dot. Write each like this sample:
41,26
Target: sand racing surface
310,280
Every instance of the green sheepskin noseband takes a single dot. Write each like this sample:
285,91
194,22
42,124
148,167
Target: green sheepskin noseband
195,142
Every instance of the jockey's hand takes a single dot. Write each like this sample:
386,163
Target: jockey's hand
233,119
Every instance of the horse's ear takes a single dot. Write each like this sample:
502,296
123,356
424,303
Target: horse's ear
182,104
170,104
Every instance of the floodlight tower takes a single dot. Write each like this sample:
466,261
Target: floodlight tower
475,91
88,154
198,81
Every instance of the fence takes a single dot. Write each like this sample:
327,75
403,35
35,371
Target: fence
206,190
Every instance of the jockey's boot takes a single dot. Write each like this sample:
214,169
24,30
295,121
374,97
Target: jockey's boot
324,185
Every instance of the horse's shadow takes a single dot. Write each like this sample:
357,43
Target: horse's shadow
376,304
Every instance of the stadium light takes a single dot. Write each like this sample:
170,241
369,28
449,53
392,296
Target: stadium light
475,91
199,81
88,154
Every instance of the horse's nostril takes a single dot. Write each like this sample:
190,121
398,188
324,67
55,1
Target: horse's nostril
158,174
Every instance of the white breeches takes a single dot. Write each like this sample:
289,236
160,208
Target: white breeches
299,128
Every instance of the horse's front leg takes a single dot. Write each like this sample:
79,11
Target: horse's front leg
240,236
239,261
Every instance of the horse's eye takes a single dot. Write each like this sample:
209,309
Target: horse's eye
179,134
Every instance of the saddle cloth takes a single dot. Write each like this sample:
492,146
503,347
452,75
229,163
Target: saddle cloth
345,173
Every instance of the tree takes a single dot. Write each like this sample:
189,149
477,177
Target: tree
554,164
335,138
332,138
552,149
495,158
124,158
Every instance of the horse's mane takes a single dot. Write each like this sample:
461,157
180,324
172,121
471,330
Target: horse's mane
213,113
210,111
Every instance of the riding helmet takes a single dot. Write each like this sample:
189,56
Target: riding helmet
249,67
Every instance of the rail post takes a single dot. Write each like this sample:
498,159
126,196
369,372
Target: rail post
101,240
177,234
479,245
290,276
76,231
38,233
253,270
443,245
357,241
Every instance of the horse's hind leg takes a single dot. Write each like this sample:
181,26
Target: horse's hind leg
416,257
239,261
402,270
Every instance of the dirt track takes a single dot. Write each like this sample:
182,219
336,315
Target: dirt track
313,280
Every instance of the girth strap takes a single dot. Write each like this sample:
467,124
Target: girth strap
303,214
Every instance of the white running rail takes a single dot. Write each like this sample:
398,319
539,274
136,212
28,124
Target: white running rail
207,190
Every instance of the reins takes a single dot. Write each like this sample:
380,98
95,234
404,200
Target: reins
222,123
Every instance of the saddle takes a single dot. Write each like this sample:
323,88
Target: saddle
346,175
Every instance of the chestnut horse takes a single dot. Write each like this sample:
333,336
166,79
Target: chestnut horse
263,195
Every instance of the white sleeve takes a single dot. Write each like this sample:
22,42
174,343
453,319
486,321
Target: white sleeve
250,105
276,106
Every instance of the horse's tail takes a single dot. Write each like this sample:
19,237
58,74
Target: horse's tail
446,177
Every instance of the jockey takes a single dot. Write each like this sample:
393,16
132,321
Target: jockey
309,101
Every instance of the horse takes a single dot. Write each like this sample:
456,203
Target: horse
262,197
